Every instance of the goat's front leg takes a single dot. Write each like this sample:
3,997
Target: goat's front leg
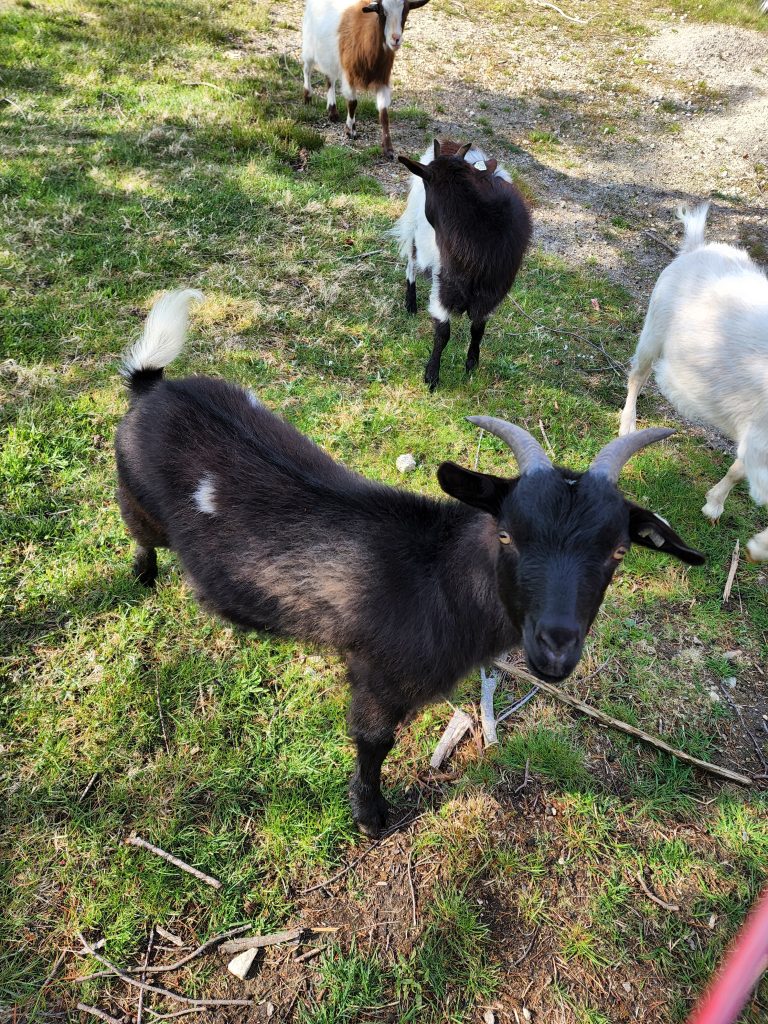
383,99
716,495
441,324
372,723
350,96
308,65
641,371
477,331
757,547
410,282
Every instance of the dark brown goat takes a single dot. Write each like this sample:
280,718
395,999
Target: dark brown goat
467,225
415,593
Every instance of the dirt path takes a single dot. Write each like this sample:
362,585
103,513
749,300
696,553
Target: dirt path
612,127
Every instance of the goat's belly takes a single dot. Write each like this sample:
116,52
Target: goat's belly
697,399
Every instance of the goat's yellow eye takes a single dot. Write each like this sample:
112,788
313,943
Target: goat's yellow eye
619,553
504,537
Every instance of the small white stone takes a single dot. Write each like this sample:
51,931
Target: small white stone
406,463
626,986
730,682
489,1017
526,1013
241,964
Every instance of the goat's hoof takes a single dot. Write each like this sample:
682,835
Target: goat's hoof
307,96
389,154
431,378
470,365
370,811
350,133
712,513
333,114
756,550
410,306
410,298
145,567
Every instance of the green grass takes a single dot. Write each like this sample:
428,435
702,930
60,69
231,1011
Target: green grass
146,147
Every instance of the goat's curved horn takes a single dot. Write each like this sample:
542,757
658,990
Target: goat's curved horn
610,460
526,449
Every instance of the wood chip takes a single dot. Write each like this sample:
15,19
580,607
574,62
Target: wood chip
454,732
259,941
487,715
731,574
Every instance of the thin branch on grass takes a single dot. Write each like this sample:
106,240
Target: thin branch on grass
209,944
94,1011
568,17
735,707
487,716
631,730
169,935
208,879
258,941
550,449
212,85
309,955
652,896
177,996
176,1013
143,975
88,787
363,255
411,886
15,105
617,368
731,573
160,714
454,732
660,241
517,705
526,777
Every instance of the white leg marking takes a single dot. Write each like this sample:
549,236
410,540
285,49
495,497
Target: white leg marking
757,547
435,307
637,379
716,495
383,98
205,495
410,270
308,75
331,100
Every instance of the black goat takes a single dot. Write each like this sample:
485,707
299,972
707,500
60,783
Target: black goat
275,535
468,225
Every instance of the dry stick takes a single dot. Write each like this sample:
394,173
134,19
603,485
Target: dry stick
546,439
258,941
410,884
309,955
453,733
745,727
660,241
208,879
568,17
731,573
143,975
157,988
96,1012
616,367
614,723
88,787
526,777
653,896
160,713
176,1013
163,968
169,935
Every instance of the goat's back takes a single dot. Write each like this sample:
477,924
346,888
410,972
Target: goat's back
708,316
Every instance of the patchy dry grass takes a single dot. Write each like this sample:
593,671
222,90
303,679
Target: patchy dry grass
144,147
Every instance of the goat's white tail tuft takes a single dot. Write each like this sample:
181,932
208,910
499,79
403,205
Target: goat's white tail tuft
694,221
164,333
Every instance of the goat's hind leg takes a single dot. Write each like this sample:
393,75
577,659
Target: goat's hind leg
308,64
477,330
716,495
333,111
372,723
147,533
410,282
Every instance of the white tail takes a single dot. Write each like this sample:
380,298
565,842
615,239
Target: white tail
164,332
694,221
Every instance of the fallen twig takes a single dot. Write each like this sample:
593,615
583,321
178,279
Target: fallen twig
517,705
410,885
212,85
88,787
660,241
546,439
309,955
177,996
731,573
143,974
257,941
161,717
526,777
568,17
652,896
614,723
169,935
96,1012
176,1013
487,716
208,879
617,368
15,105
209,944
458,726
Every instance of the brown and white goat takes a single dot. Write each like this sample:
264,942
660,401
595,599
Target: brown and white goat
344,40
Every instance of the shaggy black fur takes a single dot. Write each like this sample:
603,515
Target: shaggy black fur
414,592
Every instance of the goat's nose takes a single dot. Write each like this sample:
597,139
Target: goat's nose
557,638
396,40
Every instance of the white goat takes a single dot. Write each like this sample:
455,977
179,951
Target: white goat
356,42
706,337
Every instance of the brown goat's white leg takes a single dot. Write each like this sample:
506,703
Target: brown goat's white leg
383,99
333,112
716,495
372,723
350,95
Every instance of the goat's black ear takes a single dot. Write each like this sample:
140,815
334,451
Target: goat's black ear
653,532
414,166
480,490
374,8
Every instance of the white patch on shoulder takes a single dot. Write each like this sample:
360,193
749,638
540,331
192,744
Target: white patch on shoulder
205,495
